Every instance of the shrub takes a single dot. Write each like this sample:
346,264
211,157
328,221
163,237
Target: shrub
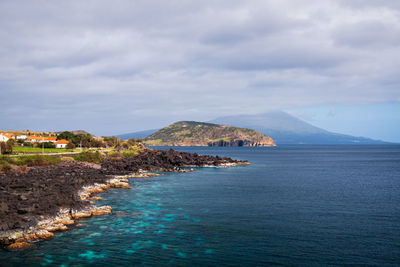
114,155
125,145
70,146
88,156
129,153
6,159
49,145
67,158
37,160
132,141
37,145
6,147
5,166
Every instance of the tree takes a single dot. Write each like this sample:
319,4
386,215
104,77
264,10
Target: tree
70,146
20,142
112,141
71,137
6,147
133,141
97,143
49,145
11,142
125,146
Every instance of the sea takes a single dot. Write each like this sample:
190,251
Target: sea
293,206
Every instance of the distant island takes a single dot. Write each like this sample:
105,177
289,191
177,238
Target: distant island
282,127
192,133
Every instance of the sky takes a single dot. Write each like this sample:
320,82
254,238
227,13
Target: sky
112,67
378,121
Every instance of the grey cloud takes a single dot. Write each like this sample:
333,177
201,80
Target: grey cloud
374,34
134,64
364,4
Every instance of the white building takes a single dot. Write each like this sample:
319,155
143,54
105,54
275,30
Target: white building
41,139
22,137
61,143
4,137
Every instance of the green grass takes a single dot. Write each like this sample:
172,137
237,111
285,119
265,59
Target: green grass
5,166
5,163
129,153
30,161
46,150
4,158
37,160
88,156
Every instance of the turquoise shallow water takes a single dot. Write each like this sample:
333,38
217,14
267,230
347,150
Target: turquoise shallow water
294,205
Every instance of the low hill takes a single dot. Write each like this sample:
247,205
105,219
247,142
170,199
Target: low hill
192,133
80,132
287,129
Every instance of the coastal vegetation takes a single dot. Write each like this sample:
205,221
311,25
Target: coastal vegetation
96,156
8,163
36,160
124,149
73,141
6,148
81,140
46,150
192,133
89,156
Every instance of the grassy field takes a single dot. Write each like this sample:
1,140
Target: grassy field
7,163
46,150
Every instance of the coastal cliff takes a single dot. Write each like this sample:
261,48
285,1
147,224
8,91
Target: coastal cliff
191,133
37,201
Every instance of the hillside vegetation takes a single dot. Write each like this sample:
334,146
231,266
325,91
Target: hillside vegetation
191,133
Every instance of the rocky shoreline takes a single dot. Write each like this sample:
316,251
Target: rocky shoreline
39,201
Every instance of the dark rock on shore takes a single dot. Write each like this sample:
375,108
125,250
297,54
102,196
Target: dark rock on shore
38,193
24,197
159,160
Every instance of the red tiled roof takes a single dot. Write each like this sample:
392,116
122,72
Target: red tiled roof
62,141
35,138
7,135
42,138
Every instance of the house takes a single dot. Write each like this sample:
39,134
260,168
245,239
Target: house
4,137
61,143
50,139
34,139
41,139
22,137
11,135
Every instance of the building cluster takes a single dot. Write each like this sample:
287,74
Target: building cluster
4,137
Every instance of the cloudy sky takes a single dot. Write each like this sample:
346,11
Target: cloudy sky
119,66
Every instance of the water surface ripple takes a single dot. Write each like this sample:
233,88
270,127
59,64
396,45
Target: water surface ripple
294,205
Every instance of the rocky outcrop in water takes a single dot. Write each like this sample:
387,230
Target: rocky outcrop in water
158,160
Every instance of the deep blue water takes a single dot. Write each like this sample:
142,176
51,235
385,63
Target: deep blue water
294,205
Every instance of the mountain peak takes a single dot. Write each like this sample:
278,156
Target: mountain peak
287,129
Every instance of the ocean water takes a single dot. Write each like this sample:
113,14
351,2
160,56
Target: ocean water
294,205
